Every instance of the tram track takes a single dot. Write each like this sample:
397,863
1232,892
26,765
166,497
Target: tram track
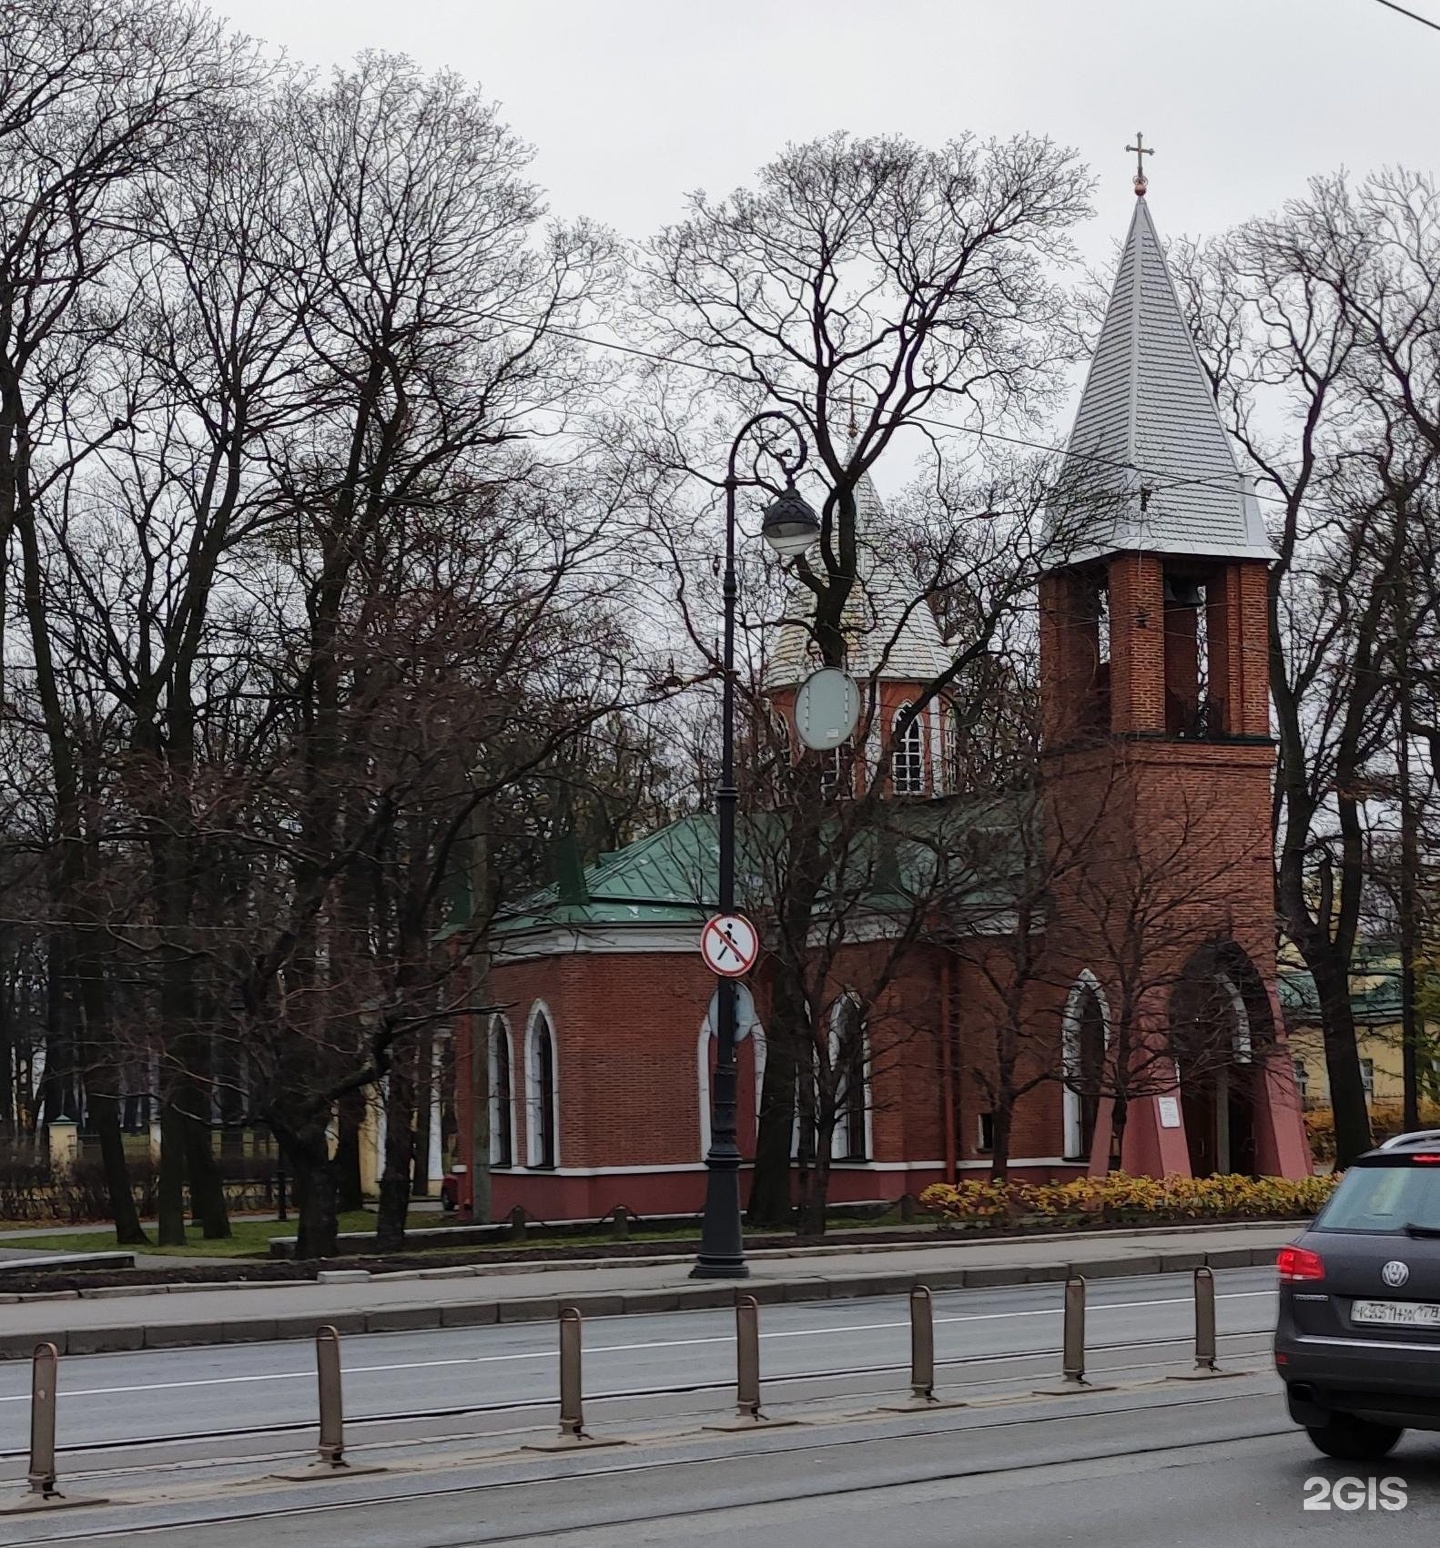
619,1465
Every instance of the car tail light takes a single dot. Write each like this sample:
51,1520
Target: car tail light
1426,1160
1299,1263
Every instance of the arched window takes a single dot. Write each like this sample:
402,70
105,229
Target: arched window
1085,1036
907,761
540,1108
502,1104
837,772
849,1065
750,1063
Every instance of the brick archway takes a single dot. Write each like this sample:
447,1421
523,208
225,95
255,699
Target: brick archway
1223,1033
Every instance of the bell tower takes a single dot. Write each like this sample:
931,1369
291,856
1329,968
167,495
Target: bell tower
1156,718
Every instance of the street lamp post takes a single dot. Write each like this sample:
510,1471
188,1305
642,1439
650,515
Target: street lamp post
790,527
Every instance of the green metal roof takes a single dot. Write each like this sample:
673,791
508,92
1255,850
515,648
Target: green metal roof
1374,994
671,877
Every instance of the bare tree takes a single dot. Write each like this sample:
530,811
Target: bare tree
892,283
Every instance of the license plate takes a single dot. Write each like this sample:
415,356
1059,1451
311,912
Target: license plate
1410,1314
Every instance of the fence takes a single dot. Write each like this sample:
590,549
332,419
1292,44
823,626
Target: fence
43,1477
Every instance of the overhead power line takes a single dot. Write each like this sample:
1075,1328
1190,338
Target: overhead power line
1413,15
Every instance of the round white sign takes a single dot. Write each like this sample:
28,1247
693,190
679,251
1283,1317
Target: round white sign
827,709
729,944
745,1016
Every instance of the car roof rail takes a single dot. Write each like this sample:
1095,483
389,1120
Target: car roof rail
1415,1137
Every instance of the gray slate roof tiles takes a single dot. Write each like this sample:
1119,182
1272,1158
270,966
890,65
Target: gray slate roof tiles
1147,420
890,632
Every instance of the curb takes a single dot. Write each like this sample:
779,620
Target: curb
816,1287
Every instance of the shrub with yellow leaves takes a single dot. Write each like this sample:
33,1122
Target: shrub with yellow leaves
1121,1199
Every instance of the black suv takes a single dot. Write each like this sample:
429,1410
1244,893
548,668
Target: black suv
1358,1340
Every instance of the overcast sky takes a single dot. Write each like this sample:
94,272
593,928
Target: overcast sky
631,103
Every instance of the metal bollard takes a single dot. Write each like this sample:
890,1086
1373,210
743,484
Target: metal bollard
1072,1370
1072,1363
747,1357
572,1413
922,1344
332,1419
1205,1321
45,1369
922,1359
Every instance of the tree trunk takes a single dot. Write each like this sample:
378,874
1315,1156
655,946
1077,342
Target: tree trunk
1119,1117
349,1195
770,1203
1002,1119
207,1185
171,1199
105,1118
1342,1056
317,1235
424,1115
399,1136
815,1182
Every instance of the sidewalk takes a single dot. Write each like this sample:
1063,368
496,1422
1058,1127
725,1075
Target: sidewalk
168,1317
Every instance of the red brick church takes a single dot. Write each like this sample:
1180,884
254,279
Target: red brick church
1156,792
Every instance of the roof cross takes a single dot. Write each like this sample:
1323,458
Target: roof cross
1142,150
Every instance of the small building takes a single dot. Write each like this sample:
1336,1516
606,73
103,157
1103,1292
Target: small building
1379,1033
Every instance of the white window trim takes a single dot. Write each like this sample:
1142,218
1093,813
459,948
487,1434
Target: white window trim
911,747
939,774
837,1150
1085,984
538,1012
500,1026
702,1073
1241,1043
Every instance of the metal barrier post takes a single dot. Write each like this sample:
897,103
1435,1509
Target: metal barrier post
332,1419
1072,1362
331,1461
1205,1321
45,1369
1073,1366
922,1358
40,1492
922,1344
572,1413
747,1357
747,1372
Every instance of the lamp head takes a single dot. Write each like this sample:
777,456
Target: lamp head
790,525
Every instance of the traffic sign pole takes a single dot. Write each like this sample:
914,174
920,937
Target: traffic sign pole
722,1248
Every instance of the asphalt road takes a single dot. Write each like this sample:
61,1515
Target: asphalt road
990,1337
187,1441
1204,1466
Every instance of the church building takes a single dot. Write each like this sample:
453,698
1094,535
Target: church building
1153,818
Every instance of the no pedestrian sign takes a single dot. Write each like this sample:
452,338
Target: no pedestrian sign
729,944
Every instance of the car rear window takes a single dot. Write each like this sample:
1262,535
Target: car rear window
1383,1198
